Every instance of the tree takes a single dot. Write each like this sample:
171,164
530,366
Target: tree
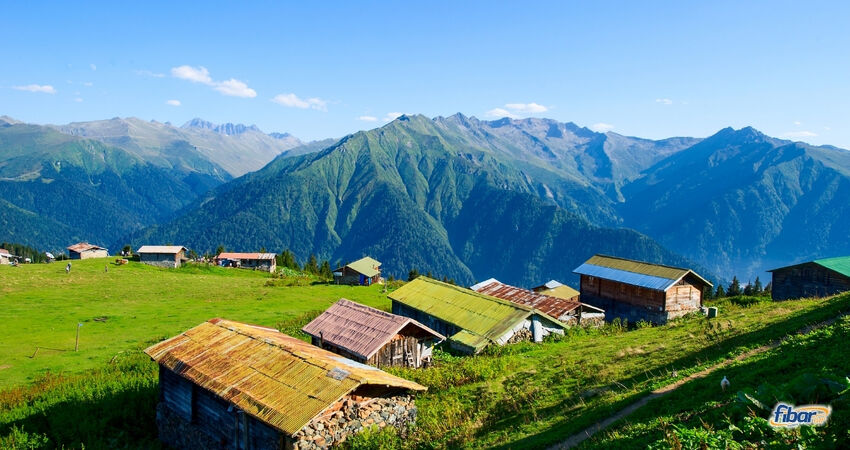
219,250
412,275
127,250
325,270
429,274
734,287
312,265
748,289
757,287
262,250
769,288
193,255
720,292
287,259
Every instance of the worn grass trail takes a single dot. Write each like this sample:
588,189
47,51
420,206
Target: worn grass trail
587,433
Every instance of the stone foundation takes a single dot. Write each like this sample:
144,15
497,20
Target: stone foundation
353,417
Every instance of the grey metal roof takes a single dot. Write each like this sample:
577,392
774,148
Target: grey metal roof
623,276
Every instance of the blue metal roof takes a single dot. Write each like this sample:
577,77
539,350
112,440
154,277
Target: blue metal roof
623,276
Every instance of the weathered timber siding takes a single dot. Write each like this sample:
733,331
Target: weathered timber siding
807,280
444,328
683,298
401,351
352,277
626,301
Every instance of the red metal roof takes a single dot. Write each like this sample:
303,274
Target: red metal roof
360,329
555,307
84,246
261,256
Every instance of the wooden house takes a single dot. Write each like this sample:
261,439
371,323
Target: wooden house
818,278
171,256
84,250
5,256
363,272
257,261
555,288
636,290
570,312
372,336
230,385
470,320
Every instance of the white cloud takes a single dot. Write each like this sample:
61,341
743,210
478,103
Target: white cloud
173,102
88,84
798,123
293,101
235,88
198,74
526,108
601,127
368,118
827,128
148,73
664,101
78,100
93,67
500,112
42,88
799,134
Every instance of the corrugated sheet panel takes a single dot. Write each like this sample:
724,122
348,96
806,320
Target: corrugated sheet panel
358,328
623,276
840,264
366,266
644,268
553,306
479,314
259,256
167,249
278,379
84,246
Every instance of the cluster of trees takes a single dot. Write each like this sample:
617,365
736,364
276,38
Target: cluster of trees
287,259
755,289
24,251
414,274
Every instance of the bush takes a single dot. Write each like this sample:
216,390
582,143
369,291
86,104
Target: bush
374,438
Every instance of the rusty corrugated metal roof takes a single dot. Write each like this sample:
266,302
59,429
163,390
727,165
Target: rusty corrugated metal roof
360,329
556,307
232,255
283,381
84,246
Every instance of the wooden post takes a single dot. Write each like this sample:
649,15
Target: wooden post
77,343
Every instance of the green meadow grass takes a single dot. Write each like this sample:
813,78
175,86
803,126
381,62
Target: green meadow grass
132,305
519,396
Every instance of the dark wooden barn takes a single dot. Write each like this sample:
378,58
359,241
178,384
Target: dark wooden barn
230,385
364,272
818,278
636,290
372,336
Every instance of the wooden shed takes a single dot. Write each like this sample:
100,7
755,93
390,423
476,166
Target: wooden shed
6,257
84,250
472,321
257,261
554,288
171,256
363,272
818,278
372,336
230,385
570,312
637,290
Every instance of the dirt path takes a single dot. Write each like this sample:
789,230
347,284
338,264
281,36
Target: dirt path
581,436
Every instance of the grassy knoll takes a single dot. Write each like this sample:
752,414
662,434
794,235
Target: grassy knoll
518,396
130,305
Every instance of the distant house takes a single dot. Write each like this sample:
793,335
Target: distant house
364,271
5,256
170,256
471,320
84,250
818,278
372,336
570,312
257,261
555,288
636,290
230,385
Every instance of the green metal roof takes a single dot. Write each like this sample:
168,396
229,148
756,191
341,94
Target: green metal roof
482,317
366,266
840,264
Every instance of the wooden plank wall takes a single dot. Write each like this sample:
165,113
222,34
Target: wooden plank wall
401,351
807,280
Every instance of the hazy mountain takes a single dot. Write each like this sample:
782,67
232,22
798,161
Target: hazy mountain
56,187
436,195
740,202
200,145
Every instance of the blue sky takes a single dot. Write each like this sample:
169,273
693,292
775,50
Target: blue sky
655,69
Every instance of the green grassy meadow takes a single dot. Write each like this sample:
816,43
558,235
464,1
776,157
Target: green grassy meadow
518,396
132,305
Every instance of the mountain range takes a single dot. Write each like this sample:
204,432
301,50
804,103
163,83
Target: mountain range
522,200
